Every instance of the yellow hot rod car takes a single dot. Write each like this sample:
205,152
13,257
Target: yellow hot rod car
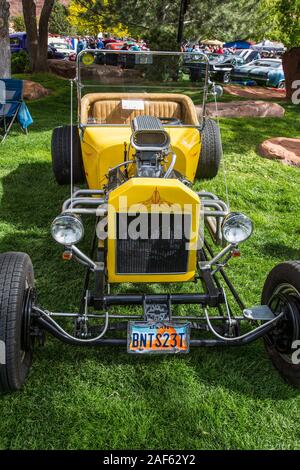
139,148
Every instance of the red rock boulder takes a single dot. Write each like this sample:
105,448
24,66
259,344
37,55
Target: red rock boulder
285,149
34,90
255,92
63,68
236,109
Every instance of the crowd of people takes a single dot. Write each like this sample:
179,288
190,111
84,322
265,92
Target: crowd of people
213,49
80,43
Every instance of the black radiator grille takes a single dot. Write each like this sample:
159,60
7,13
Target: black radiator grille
155,255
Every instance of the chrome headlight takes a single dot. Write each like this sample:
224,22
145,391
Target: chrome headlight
67,229
237,228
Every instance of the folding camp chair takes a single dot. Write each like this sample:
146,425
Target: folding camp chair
12,106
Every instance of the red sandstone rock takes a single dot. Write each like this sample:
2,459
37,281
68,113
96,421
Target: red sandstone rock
235,109
34,91
285,149
63,68
255,92
16,6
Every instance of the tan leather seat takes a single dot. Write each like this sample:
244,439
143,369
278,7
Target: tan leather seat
106,108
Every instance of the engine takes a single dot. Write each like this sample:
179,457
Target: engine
152,145
152,148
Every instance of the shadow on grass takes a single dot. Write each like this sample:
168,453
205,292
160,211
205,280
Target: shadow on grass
246,370
278,250
31,198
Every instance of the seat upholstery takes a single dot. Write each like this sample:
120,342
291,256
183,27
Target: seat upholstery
106,108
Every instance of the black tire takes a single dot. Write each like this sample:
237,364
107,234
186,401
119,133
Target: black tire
61,155
282,293
195,74
211,151
16,275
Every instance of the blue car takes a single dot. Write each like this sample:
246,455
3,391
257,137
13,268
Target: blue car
268,72
18,42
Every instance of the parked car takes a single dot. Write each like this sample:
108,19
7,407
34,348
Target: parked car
220,66
268,72
62,46
18,42
53,53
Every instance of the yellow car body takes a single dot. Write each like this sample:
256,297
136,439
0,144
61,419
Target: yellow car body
103,148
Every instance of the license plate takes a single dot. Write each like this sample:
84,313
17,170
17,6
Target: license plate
162,338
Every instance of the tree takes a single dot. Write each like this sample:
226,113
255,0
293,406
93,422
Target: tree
157,20
18,23
4,40
283,21
94,16
37,34
59,21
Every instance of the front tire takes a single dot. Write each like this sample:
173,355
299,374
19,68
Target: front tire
282,293
16,278
61,155
211,151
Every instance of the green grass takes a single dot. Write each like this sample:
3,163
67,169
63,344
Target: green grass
103,398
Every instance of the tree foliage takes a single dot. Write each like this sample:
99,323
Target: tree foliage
59,20
94,16
283,21
18,23
157,20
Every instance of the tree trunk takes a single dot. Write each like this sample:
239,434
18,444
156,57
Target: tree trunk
29,13
37,37
42,62
291,67
4,40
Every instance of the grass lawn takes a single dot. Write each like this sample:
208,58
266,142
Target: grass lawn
105,399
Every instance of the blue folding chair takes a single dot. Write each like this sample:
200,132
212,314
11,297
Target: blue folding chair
12,106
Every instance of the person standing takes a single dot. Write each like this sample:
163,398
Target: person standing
100,43
80,45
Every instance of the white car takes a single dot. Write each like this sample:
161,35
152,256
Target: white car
62,46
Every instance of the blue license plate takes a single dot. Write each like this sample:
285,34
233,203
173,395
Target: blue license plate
162,338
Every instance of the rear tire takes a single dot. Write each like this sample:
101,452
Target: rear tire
16,276
282,293
195,74
61,155
211,151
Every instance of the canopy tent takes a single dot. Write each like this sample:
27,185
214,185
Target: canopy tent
239,44
211,42
267,45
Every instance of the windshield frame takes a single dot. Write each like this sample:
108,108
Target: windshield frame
81,86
